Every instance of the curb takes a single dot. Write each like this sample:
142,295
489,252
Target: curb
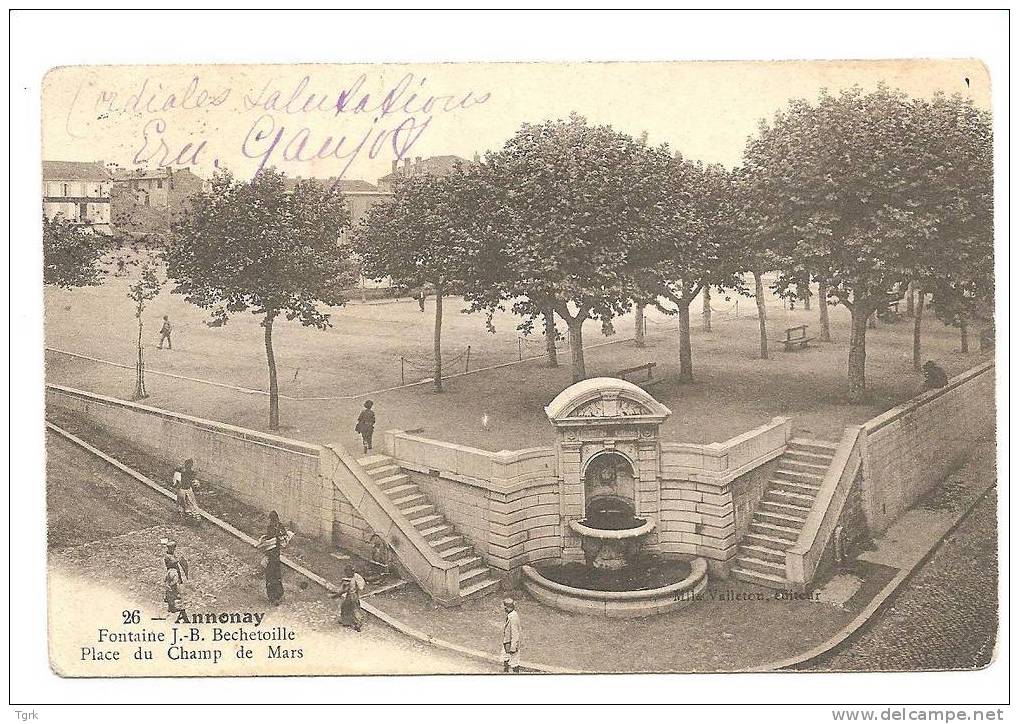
382,616
844,637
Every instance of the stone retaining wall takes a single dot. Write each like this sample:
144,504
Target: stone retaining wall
913,446
262,470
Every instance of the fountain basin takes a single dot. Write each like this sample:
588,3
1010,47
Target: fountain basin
619,604
611,548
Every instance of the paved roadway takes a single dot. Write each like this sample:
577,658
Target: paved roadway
946,616
104,531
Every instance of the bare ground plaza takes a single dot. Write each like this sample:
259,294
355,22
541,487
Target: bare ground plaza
325,376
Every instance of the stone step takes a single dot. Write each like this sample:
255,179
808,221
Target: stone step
391,481
470,560
768,541
818,447
793,486
802,456
437,531
759,565
798,477
792,521
456,553
398,491
778,531
480,588
761,579
369,462
472,575
425,521
446,542
787,508
384,471
409,501
776,495
817,470
769,554
417,511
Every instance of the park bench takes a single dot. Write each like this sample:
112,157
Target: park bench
648,368
796,338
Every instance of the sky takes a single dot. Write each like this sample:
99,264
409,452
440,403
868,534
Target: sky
354,120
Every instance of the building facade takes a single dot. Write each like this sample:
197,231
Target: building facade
80,192
145,202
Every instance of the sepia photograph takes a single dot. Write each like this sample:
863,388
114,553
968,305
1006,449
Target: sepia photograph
519,368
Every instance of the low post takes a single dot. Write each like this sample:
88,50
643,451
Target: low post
520,350
467,365
403,379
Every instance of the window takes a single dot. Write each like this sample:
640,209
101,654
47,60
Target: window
65,190
159,183
83,212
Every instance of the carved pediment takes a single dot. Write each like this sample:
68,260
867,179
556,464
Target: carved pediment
603,399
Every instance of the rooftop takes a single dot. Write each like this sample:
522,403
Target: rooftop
74,171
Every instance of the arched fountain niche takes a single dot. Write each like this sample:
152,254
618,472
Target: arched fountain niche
609,463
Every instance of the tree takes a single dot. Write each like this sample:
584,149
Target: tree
252,246
425,235
561,219
71,254
852,184
144,289
691,241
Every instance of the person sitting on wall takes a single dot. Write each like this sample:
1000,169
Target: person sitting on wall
933,376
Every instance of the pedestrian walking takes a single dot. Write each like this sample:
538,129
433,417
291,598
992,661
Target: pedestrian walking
185,481
351,588
421,299
164,333
366,426
511,638
276,538
176,575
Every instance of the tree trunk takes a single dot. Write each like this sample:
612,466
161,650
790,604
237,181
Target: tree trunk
917,320
822,302
685,355
550,337
858,353
638,325
762,313
706,314
437,340
910,299
139,383
576,327
964,336
274,392
872,320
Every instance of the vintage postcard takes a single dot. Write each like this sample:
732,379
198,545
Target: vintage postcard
522,367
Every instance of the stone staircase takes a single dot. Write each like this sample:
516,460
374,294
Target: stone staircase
782,512
476,578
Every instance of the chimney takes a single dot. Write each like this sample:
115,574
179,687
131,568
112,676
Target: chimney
396,165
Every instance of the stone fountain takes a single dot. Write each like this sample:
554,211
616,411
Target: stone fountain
610,492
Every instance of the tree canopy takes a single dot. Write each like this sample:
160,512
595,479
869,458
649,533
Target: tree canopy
254,246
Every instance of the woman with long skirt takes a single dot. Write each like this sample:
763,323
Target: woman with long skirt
273,542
